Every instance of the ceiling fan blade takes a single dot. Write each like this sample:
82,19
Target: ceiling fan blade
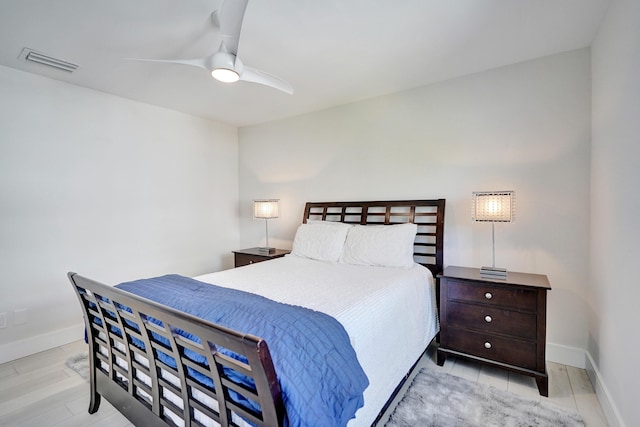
224,64
230,19
196,62
256,76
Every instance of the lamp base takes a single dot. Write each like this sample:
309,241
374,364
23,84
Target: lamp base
493,273
267,250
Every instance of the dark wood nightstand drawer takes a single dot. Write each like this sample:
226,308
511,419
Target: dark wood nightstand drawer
252,255
501,349
486,293
243,259
492,320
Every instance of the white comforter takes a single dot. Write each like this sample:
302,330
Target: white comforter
389,313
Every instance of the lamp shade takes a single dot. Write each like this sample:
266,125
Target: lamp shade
494,206
266,208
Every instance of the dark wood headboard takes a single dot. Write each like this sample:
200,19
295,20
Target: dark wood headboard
427,214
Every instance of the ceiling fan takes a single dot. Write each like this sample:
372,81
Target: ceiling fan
224,64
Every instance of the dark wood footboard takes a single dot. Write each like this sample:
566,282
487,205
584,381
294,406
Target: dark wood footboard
160,366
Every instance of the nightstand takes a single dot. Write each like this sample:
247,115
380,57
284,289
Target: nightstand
253,255
500,322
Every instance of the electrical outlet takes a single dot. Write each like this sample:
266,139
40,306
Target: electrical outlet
3,320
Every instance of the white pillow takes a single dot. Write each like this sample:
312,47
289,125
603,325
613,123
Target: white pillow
380,245
320,240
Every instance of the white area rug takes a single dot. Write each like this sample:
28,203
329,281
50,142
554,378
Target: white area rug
439,399
80,364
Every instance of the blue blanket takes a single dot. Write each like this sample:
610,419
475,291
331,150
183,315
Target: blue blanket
320,377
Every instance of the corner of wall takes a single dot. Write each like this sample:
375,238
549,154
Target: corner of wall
582,359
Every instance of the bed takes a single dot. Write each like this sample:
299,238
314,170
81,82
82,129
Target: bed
149,358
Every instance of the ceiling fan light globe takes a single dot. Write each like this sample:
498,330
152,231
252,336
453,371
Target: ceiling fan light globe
225,75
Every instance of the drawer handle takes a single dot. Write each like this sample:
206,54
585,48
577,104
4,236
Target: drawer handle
250,262
488,295
488,319
487,345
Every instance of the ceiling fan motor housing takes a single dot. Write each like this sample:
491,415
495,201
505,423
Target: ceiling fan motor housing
225,66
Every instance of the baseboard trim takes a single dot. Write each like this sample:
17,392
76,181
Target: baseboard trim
608,406
579,358
28,346
566,355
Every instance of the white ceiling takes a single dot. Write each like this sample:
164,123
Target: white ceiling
332,51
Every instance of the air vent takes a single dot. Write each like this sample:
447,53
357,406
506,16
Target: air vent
31,55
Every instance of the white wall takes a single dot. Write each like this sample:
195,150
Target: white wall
614,317
523,127
107,187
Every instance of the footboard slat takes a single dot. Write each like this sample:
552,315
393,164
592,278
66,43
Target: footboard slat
207,411
160,366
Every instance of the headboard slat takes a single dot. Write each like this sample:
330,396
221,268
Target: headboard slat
427,214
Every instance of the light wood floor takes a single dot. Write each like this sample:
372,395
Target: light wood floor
39,390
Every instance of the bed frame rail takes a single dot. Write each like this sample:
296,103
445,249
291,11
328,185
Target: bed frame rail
160,366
